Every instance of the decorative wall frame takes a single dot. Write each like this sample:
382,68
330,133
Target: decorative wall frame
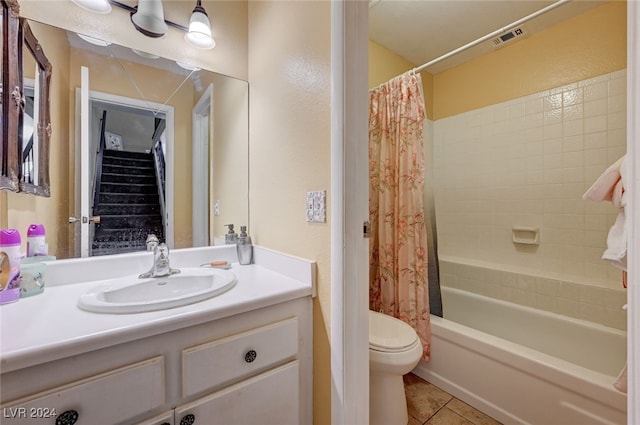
11,94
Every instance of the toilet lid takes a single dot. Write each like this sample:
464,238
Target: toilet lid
389,334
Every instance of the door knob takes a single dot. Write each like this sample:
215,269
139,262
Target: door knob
94,219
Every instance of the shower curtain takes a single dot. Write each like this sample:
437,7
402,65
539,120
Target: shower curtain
398,242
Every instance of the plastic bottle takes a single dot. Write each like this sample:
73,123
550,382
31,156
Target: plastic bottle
36,244
9,265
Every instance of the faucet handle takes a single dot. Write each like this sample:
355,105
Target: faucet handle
163,251
152,242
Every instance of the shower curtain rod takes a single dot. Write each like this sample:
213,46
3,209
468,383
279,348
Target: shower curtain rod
491,35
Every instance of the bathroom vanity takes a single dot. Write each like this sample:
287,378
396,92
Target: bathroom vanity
242,357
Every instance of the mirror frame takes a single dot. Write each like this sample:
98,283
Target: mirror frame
11,90
43,126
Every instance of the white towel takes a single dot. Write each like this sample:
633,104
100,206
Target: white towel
610,186
603,188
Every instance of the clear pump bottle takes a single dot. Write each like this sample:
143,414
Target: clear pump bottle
244,247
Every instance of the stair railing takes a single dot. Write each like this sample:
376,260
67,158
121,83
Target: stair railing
27,162
98,173
159,165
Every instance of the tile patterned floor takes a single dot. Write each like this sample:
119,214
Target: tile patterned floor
429,405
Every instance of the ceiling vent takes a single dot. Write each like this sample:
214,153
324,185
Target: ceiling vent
509,36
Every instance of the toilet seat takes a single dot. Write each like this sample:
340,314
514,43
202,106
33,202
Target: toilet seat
390,335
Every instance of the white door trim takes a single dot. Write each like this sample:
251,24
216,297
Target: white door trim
349,210
201,147
633,213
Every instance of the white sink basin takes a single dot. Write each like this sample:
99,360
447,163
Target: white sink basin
131,294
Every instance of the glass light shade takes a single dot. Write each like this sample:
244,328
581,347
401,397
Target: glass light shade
199,34
149,18
95,6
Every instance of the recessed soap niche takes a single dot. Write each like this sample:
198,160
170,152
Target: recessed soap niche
525,235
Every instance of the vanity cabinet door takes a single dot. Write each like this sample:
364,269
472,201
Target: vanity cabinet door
164,419
267,399
110,398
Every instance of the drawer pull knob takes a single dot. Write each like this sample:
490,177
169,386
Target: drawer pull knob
250,356
189,419
68,417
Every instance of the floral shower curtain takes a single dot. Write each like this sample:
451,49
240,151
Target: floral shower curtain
398,243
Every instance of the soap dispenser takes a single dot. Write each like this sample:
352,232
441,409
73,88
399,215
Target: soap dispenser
244,247
231,237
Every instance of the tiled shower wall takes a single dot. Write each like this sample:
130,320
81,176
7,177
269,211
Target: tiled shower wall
526,163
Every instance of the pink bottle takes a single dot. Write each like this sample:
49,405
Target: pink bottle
36,245
9,265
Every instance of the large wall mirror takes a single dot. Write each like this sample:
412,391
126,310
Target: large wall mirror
142,111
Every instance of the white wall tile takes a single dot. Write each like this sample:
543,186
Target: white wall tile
531,159
595,91
578,300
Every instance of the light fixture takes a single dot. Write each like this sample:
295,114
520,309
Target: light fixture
149,18
199,34
93,40
95,6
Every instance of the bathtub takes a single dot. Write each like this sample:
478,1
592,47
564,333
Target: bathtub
525,366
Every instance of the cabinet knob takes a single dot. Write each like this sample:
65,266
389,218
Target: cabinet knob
189,419
68,417
250,356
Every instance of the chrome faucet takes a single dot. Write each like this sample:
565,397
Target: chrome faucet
161,265
152,242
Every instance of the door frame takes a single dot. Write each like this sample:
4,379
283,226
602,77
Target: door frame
349,210
202,147
82,158
633,213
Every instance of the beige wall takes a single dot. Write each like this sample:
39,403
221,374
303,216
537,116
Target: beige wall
385,64
290,134
590,44
23,210
230,157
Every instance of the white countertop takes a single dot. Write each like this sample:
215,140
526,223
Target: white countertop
50,326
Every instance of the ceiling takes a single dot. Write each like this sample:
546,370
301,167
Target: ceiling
423,30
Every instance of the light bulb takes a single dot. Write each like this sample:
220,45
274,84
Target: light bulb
199,34
95,6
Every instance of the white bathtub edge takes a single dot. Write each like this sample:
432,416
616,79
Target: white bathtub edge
543,370
468,397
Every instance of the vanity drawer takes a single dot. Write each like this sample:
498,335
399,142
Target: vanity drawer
270,398
238,356
108,398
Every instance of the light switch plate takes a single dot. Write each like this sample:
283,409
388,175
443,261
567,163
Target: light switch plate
316,207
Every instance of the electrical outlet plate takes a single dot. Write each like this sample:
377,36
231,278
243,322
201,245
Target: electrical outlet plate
316,207
216,207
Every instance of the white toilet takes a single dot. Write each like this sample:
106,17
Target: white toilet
394,350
